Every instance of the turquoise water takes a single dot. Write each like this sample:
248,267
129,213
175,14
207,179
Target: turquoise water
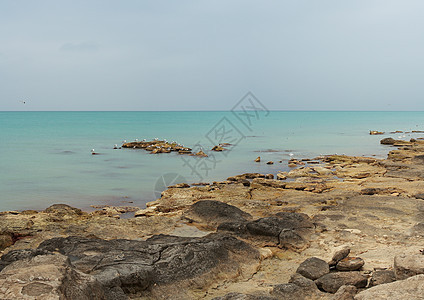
46,159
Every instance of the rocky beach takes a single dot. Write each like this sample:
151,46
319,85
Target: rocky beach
333,227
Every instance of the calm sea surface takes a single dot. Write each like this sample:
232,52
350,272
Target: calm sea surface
45,156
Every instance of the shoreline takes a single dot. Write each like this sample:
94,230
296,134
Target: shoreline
372,206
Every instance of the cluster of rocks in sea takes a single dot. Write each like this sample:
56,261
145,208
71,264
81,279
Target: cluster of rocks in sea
345,228
158,146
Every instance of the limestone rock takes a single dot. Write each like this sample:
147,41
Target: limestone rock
411,289
333,281
48,277
408,265
313,268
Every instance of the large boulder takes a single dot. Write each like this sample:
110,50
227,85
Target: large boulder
411,289
160,265
298,287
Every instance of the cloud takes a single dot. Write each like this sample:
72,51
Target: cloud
79,47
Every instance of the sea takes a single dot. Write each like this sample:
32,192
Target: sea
45,157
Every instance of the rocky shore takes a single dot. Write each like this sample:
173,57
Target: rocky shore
343,228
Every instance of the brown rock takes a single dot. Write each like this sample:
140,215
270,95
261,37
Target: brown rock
350,264
258,159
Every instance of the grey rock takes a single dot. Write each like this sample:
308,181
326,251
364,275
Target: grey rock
298,287
125,267
333,281
345,292
409,289
313,268
408,265
382,276
350,264
239,296
215,212
63,210
48,277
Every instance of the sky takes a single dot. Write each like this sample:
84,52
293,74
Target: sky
206,55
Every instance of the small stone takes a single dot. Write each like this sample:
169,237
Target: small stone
313,268
345,292
281,176
350,264
339,254
269,176
270,162
382,277
258,159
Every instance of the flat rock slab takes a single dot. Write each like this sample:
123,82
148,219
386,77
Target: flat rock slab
130,267
411,289
408,265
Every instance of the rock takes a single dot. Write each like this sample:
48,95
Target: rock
388,141
345,292
322,171
298,287
147,212
246,176
239,296
411,289
179,186
313,268
374,132
48,277
281,176
340,253
382,276
270,162
274,183
217,148
258,159
127,267
214,212
350,264
331,282
419,196
201,154
269,176
408,265
6,240
63,210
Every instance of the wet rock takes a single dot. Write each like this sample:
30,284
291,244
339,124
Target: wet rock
350,264
345,292
388,141
201,154
313,268
340,253
375,132
246,176
333,281
217,148
382,277
281,176
258,159
215,212
411,288
270,163
63,210
48,277
408,265
179,186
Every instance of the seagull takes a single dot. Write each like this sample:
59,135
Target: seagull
116,146
93,152
144,140
291,154
136,140
124,141
156,139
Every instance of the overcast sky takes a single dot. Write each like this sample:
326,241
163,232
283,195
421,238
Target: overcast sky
205,55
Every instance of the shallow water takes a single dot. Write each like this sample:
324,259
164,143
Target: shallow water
46,159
